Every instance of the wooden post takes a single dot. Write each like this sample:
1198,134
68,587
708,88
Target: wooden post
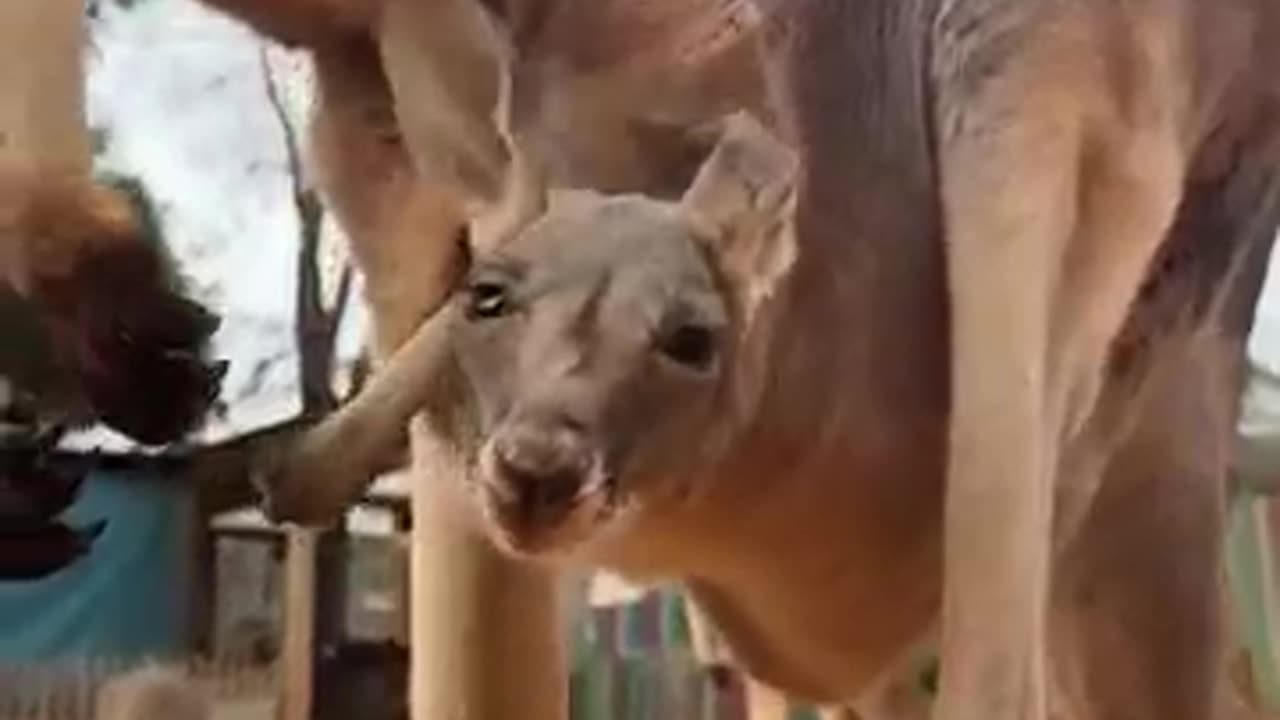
486,638
297,656
202,574
332,591
42,121
1252,577
402,542
708,647
485,642
765,703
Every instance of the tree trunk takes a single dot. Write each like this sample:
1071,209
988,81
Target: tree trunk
315,327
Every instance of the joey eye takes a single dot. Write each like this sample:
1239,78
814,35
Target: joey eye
487,299
692,346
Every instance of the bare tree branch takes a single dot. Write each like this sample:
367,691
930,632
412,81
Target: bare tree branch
342,294
315,327
293,157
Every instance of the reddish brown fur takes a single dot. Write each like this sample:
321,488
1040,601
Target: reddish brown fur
115,313
826,618
904,131
387,208
1062,139
309,23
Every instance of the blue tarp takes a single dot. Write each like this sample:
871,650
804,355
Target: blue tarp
128,597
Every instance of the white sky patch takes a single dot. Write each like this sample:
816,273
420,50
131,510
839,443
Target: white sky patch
179,93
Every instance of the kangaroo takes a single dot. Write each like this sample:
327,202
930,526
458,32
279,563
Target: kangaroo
1061,192
654,387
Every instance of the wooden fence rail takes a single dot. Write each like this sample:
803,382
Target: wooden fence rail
68,690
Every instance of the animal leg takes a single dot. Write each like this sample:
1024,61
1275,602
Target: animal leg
1002,253
401,227
1138,603
302,22
401,231
1050,223
328,468
443,62
483,625
486,628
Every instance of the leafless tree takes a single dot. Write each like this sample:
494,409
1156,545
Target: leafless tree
315,332
315,325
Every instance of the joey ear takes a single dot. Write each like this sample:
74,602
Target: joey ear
526,187
742,204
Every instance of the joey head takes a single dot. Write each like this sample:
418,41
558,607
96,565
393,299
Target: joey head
607,347
594,342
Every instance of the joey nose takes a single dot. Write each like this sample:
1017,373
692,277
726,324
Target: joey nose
541,466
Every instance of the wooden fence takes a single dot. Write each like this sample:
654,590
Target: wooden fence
631,662
636,661
68,690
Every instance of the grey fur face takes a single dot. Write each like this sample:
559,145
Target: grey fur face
594,344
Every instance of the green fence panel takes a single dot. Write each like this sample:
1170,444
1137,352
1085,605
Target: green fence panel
1254,618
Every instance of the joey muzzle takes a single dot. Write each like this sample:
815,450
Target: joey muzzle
538,472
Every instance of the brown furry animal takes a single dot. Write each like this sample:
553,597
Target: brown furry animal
457,84
95,327
103,330
894,131
1030,223
130,344
637,385
1102,181
409,150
